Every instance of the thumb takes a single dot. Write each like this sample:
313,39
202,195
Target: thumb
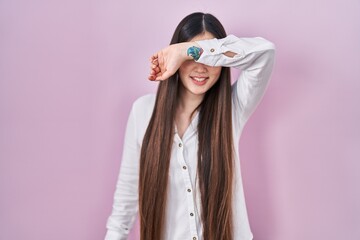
164,76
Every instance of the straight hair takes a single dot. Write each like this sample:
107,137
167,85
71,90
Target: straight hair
215,146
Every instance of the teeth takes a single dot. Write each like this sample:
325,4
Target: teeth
198,79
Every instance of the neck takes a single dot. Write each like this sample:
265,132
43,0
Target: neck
188,101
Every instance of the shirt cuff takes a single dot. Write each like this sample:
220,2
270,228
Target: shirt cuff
211,48
214,49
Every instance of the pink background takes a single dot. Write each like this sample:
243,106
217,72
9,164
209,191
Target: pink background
70,70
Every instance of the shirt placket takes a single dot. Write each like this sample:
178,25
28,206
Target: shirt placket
188,188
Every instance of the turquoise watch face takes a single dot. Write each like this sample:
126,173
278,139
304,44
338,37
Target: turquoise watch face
194,52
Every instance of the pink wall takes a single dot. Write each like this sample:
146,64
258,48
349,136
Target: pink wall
69,71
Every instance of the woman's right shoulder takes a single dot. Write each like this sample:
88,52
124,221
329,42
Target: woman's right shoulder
145,102
142,110
143,107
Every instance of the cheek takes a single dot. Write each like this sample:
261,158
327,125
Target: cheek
184,69
215,73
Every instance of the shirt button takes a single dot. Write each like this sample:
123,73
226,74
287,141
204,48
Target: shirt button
194,238
184,167
212,50
180,145
189,190
191,214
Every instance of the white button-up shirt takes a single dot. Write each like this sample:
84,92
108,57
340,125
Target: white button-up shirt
255,57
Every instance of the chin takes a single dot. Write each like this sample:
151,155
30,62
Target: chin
198,90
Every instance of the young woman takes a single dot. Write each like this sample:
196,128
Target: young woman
180,169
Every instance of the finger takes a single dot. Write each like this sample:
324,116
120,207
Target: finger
156,69
154,61
158,76
153,72
161,62
153,56
152,77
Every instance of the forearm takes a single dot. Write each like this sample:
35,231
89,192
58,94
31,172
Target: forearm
236,52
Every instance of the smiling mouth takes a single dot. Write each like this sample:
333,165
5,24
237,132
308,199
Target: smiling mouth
199,79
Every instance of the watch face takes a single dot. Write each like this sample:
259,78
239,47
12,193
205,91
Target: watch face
194,52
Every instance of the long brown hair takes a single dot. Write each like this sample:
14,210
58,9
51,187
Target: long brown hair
215,149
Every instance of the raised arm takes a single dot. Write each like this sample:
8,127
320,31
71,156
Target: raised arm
125,205
254,56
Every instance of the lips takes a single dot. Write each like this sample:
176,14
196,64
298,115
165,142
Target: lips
199,80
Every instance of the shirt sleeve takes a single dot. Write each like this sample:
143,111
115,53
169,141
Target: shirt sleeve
125,205
254,56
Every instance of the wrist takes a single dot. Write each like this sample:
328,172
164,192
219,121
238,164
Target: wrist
194,51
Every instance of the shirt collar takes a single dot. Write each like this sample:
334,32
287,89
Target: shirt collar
192,128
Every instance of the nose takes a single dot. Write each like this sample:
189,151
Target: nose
201,68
